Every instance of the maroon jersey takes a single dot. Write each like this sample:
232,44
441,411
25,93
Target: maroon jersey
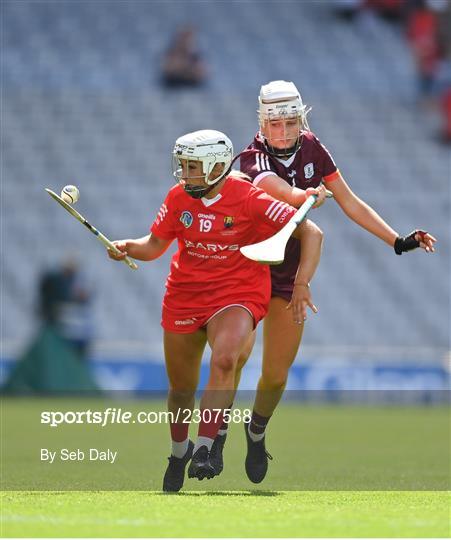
310,165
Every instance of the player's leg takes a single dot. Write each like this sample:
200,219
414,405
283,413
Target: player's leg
281,340
183,355
244,356
228,332
216,457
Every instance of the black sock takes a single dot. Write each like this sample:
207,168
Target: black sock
258,423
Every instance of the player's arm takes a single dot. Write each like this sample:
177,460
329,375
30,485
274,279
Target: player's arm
279,189
311,238
362,214
147,248
153,245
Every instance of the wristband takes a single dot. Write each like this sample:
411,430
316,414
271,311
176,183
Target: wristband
408,243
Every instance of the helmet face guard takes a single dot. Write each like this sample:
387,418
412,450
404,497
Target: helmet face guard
207,148
280,102
282,135
182,171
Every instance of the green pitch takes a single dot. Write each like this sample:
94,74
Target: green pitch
337,471
219,514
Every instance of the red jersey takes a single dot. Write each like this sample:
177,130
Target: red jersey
310,165
208,268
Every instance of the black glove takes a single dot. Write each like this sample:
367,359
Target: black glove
408,243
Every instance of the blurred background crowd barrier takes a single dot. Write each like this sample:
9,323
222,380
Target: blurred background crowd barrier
87,99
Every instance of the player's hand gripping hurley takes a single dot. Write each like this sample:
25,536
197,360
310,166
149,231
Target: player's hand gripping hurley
107,243
272,250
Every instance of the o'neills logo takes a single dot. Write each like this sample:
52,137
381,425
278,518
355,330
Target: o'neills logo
211,247
184,322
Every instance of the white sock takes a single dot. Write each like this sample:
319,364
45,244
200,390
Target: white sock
255,436
222,432
179,449
203,441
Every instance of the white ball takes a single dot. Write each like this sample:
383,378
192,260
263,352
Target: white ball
70,194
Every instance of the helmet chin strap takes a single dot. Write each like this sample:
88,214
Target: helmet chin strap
197,192
283,153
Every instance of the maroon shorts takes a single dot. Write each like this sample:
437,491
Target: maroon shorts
187,321
283,275
282,293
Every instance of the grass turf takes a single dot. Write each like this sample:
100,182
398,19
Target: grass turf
230,514
315,448
358,459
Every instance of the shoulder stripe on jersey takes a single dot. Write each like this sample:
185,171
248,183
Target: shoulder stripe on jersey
281,209
257,163
275,210
262,162
163,211
271,206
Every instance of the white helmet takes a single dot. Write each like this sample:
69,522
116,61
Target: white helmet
281,99
207,146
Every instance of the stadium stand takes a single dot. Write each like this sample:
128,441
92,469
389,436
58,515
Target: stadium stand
81,104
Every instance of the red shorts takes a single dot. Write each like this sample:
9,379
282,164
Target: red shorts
187,321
